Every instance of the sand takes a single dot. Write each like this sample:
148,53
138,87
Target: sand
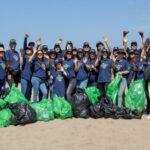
78,134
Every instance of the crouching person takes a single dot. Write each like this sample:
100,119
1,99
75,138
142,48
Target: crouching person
39,76
122,68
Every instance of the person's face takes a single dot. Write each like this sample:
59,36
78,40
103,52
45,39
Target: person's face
31,47
52,56
80,55
100,47
57,49
92,56
40,55
105,56
115,54
29,52
1,54
86,49
69,47
132,56
58,66
12,46
134,47
45,51
74,53
69,56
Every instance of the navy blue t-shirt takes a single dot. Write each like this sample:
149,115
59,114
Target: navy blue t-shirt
104,74
92,73
137,54
52,66
39,69
2,69
59,83
132,73
121,65
12,57
26,72
82,74
140,73
69,68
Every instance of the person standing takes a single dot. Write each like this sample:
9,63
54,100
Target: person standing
13,59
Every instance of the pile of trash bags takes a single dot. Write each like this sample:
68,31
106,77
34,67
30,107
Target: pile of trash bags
15,109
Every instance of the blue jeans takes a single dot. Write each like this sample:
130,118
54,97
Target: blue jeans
38,85
26,88
122,88
82,84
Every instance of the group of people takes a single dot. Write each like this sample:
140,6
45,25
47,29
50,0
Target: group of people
48,72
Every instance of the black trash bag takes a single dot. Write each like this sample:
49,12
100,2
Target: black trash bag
105,108
80,104
4,93
96,111
23,113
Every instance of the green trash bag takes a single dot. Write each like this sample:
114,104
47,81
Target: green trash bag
62,109
44,110
93,94
113,87
15,96
2,104
135,99
6,118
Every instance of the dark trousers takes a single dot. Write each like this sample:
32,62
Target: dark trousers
102,88
70,89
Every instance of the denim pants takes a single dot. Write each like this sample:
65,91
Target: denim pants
38,85
82,84
70,89
26,88
121,92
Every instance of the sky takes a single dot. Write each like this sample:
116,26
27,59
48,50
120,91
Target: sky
75,20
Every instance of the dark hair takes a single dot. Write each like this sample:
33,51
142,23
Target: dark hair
69,43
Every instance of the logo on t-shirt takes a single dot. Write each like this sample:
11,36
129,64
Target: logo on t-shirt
104,65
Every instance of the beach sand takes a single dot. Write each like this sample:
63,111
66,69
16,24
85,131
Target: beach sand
78,134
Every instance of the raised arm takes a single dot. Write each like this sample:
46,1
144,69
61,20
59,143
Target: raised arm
106,40
25,41
37,44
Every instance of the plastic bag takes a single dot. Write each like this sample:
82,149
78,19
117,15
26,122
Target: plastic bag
44,110
105,108
80,104
136,97
23,113
15,96
2,104
6,118
62,109
93,94
113,87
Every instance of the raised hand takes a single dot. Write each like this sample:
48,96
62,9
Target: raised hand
38,41
125,33
106,39
141,34
59,41
26,35
75,61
